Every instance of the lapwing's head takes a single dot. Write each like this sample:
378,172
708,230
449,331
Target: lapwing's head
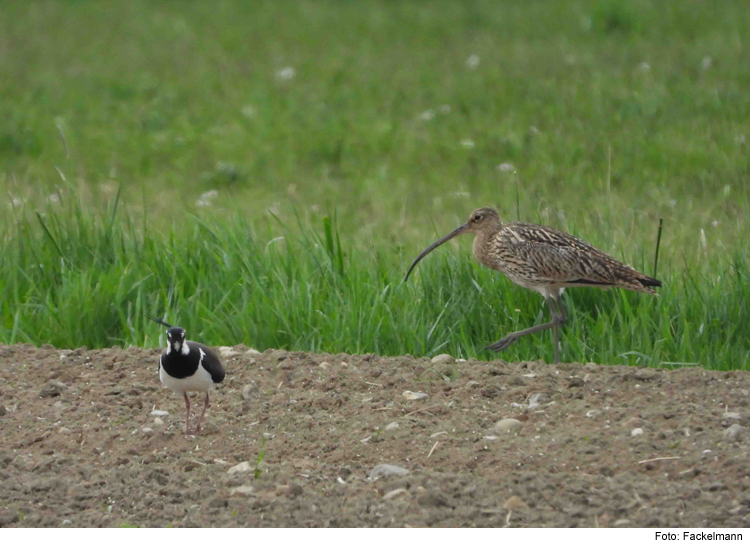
176,340
482,220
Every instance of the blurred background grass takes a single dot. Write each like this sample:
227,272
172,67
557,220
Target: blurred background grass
163,142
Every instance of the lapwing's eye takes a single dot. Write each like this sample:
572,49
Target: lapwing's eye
477,217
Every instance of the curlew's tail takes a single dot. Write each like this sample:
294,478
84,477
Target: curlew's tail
637,282
623,277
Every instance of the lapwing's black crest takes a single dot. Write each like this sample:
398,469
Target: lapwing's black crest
187,366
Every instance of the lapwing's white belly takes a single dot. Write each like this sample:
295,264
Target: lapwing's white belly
200,381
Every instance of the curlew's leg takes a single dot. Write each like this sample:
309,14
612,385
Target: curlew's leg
206,405
556,326
504,342
187,413
558,317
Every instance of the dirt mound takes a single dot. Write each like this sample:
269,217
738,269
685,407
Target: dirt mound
292,439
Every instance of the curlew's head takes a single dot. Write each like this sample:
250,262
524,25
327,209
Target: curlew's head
482,220
176,340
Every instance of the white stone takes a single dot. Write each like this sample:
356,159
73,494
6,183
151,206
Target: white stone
386,469
243,467
244,490
226,351
636,432
444,359
507,425
409,395
394,493
734,432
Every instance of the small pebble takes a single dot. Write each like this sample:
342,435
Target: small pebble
636,432
226,351
514,503
66,522
59,408
507,425
409,395
436,434
394,493
252,352
159,413
536,399
443,358
158,422
243,467
243,490
734,432
645,375
64,430
52,389
249,391
324,365
392,426
473,383
387,470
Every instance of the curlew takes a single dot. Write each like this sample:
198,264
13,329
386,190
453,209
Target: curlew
188,367
544,260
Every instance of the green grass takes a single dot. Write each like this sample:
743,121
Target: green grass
612,114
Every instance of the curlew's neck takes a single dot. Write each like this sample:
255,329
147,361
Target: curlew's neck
483,243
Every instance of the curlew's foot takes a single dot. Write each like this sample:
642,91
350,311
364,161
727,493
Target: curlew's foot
503,343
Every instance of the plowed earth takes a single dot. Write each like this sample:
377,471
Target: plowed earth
81,448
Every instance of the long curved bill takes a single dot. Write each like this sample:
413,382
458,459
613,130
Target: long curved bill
457,232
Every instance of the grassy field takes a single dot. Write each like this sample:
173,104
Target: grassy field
264,172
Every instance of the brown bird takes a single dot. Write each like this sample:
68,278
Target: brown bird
545,260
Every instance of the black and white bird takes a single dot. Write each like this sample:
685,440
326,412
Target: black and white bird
188,367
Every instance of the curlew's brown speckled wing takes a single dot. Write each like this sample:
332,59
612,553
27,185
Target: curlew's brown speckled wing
539,254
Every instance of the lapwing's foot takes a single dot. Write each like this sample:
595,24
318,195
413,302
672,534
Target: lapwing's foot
503,343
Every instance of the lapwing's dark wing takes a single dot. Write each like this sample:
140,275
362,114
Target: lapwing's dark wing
210,362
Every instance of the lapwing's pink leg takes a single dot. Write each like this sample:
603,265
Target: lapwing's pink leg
187,414
206,405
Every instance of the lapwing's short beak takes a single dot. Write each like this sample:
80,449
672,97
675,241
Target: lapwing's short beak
177,346
457,232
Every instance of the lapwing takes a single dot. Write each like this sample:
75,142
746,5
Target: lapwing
544,260
188,367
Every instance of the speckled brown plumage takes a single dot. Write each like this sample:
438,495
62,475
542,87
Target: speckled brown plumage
545,260
542,258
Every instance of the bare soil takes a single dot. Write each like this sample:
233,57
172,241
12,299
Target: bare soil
81,448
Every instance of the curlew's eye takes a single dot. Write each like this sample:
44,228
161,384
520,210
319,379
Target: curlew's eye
477,217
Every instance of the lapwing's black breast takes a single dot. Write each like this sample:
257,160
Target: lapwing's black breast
177,365
211,361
